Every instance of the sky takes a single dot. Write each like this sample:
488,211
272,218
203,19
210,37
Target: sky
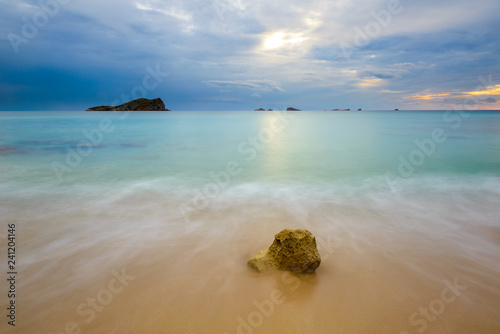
246,54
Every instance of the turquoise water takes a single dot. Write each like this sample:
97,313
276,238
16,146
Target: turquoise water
311,147
387,183
321,153
61,149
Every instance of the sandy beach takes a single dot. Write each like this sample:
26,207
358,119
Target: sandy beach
151,234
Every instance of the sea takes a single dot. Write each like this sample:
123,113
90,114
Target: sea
143,222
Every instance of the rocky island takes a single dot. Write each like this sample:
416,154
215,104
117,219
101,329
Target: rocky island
141,104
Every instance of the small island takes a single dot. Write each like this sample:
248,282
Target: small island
292,109
141,104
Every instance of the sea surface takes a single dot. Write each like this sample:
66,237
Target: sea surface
143,222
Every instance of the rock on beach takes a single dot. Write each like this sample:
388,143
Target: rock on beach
292,250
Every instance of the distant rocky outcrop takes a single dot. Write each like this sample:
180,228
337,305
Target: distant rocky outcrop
292,109
135,105
260,109
293,250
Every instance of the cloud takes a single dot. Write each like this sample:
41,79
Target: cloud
257,85
492,90
371,74
179,14
371,82
429,96
427,49
388,91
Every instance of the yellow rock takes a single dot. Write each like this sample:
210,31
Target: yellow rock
292,250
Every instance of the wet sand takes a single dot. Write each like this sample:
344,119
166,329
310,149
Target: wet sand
200,283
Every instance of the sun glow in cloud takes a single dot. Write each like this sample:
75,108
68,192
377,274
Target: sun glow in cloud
370,82
428,96
481,98
488,91
281,39
492,90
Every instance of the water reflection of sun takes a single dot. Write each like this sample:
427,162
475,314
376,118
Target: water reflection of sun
272,135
